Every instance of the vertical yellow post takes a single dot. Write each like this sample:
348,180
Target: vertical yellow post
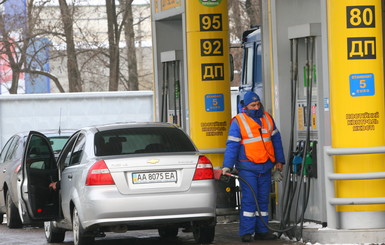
208,74
357,97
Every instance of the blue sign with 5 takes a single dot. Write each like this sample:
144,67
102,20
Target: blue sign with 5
362,84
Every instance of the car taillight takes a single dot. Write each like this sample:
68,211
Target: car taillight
204,169
99,174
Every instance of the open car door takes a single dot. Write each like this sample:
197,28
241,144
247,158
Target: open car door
37,201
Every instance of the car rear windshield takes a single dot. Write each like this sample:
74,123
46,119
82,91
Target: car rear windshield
141,140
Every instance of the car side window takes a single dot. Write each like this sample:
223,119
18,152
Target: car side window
38,165
18,148
5,149
11,151
38,154
78,150
73,151
65,155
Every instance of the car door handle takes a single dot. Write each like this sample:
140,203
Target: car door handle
4,170
69,176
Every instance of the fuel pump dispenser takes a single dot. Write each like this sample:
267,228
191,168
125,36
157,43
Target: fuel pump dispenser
300,182
306,110
171,103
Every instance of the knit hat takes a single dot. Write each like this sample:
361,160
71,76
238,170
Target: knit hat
249,97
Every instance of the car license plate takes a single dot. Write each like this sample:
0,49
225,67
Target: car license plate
154,177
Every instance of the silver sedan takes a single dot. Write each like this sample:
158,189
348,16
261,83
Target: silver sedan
10,165
120,177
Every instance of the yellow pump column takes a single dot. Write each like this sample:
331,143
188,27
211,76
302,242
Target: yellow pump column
357,103
209,104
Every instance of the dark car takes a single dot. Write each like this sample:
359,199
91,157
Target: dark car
10,164
120,177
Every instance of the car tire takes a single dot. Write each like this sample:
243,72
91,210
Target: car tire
168,232
1,218
13,217
78,231
204,234
52,233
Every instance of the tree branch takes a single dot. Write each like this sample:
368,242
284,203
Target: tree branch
49,75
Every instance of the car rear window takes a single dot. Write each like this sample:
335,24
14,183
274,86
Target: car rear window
141,140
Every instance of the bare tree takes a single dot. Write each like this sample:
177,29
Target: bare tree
97,61
129,34
74,78
243,14
7,48
237,25
253,9
19,40
15,39
113,42
47,74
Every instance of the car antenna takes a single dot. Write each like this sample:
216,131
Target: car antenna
59,122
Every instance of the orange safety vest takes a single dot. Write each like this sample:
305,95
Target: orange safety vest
256,139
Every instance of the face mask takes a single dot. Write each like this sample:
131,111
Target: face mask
255,113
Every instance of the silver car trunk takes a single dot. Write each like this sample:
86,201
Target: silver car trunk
153,173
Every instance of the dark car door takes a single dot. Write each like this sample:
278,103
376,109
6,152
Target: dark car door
38,201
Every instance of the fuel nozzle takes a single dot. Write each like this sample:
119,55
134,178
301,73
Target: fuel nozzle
218,175
308,163
297,159
231,175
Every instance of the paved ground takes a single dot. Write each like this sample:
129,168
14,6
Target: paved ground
225,234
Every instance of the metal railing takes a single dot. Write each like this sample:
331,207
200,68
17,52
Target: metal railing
330,177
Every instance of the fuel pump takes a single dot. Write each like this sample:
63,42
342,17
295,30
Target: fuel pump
302,156
171,103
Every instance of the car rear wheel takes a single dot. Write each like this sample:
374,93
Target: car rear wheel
52,233
168,232
13,218
78,231
204,234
